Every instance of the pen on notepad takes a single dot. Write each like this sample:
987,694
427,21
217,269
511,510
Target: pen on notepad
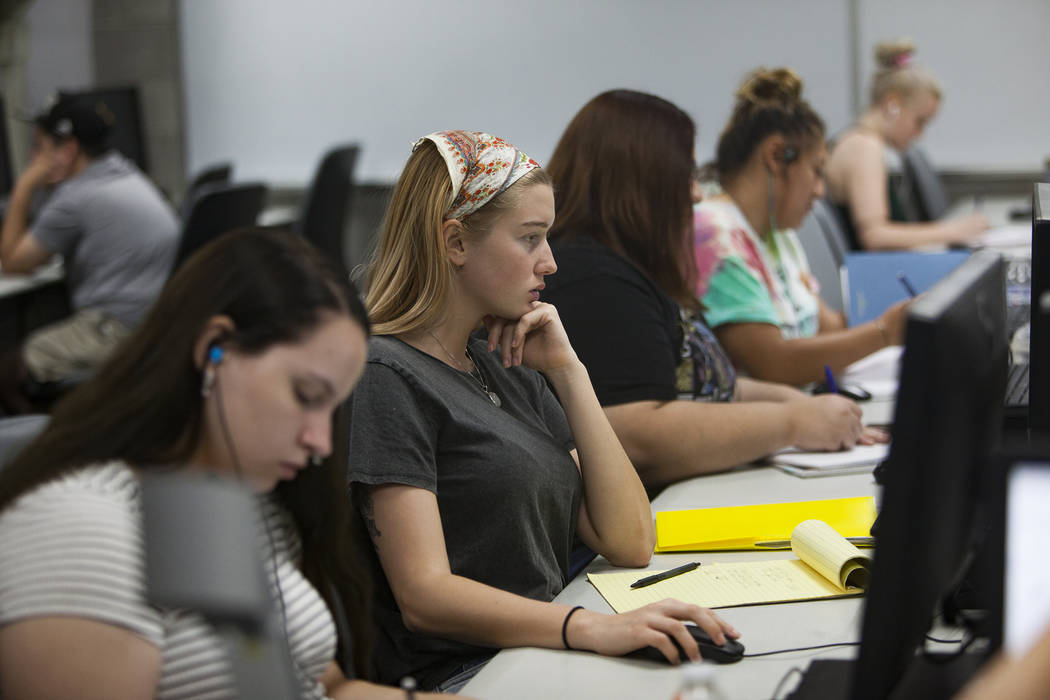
781,544
664,575
833,387
907,285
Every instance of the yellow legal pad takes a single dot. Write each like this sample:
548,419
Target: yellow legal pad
741,527
828,567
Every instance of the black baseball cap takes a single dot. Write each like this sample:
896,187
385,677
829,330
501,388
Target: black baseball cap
89,121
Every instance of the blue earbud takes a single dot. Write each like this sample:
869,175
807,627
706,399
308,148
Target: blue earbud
215,354
790,154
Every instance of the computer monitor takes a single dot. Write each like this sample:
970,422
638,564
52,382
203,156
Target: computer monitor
128,135
1039,339
938,476
6,174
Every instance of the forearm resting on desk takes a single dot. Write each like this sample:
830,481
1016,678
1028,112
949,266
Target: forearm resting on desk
19,251
411,546
673,440
760,350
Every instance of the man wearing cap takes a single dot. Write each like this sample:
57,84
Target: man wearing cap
115,231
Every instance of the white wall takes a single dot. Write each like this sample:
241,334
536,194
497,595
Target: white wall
993,60
60,49
270,84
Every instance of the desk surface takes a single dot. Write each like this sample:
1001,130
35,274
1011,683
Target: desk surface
12,285
538,673
998,209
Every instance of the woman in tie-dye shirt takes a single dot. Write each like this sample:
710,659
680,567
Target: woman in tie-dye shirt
752,274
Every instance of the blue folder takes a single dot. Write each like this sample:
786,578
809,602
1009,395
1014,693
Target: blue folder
870,284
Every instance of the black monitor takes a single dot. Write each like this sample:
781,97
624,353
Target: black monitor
1039,339
6,170
128,135
939,473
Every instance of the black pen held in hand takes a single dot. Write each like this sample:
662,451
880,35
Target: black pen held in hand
664,575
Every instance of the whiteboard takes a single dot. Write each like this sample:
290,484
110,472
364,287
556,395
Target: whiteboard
270,84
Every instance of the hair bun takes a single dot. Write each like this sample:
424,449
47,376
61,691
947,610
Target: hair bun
771,85
894,54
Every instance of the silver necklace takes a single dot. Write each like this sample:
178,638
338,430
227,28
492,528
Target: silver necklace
474,371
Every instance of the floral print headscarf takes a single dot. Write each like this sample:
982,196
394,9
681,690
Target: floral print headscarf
481,166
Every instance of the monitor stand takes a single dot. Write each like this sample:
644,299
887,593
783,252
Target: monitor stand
932,678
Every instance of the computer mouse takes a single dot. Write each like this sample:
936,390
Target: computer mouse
728,653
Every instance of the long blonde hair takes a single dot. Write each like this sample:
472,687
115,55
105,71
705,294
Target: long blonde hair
897,74
410,275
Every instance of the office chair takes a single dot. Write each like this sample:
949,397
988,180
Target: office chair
217,210
825,246
17,432
326,206
930,195
217,174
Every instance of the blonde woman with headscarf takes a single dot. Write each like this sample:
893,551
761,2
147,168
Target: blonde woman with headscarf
478,459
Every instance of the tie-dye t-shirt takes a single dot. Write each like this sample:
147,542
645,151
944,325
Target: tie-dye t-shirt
742,278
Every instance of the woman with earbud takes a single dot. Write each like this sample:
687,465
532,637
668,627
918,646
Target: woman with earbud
482,458
237,371
904,98
752,274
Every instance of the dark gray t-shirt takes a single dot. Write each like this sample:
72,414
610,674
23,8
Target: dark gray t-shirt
507,488
117,236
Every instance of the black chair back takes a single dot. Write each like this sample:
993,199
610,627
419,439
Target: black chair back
217,210
326,207
218,174
930,195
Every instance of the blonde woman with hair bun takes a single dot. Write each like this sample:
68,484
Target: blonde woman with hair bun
904,98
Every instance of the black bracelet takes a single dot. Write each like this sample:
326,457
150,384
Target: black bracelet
565,626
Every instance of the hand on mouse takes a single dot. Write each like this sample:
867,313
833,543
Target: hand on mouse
615,635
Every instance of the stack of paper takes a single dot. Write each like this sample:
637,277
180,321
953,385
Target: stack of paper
861,458
748,527
878,372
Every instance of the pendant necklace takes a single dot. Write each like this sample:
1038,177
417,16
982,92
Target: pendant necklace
474,372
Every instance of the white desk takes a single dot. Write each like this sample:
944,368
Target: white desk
13,285
996,209
530,673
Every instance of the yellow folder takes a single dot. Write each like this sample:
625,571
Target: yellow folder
748,527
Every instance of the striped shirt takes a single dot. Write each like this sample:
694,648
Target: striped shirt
73,547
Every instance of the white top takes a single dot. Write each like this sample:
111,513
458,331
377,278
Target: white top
73,547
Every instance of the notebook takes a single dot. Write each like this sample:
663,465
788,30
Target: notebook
832,461
870,284
749,527
827,567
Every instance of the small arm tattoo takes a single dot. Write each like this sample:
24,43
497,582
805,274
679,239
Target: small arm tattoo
368,512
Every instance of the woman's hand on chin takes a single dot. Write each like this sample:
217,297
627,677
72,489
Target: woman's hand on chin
537,339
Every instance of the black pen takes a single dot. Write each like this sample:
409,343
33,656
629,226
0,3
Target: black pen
907,285
664,575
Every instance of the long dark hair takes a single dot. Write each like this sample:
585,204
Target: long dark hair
144,406
622,173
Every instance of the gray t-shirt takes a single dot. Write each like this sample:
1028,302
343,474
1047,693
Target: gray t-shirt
117,236
507,488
